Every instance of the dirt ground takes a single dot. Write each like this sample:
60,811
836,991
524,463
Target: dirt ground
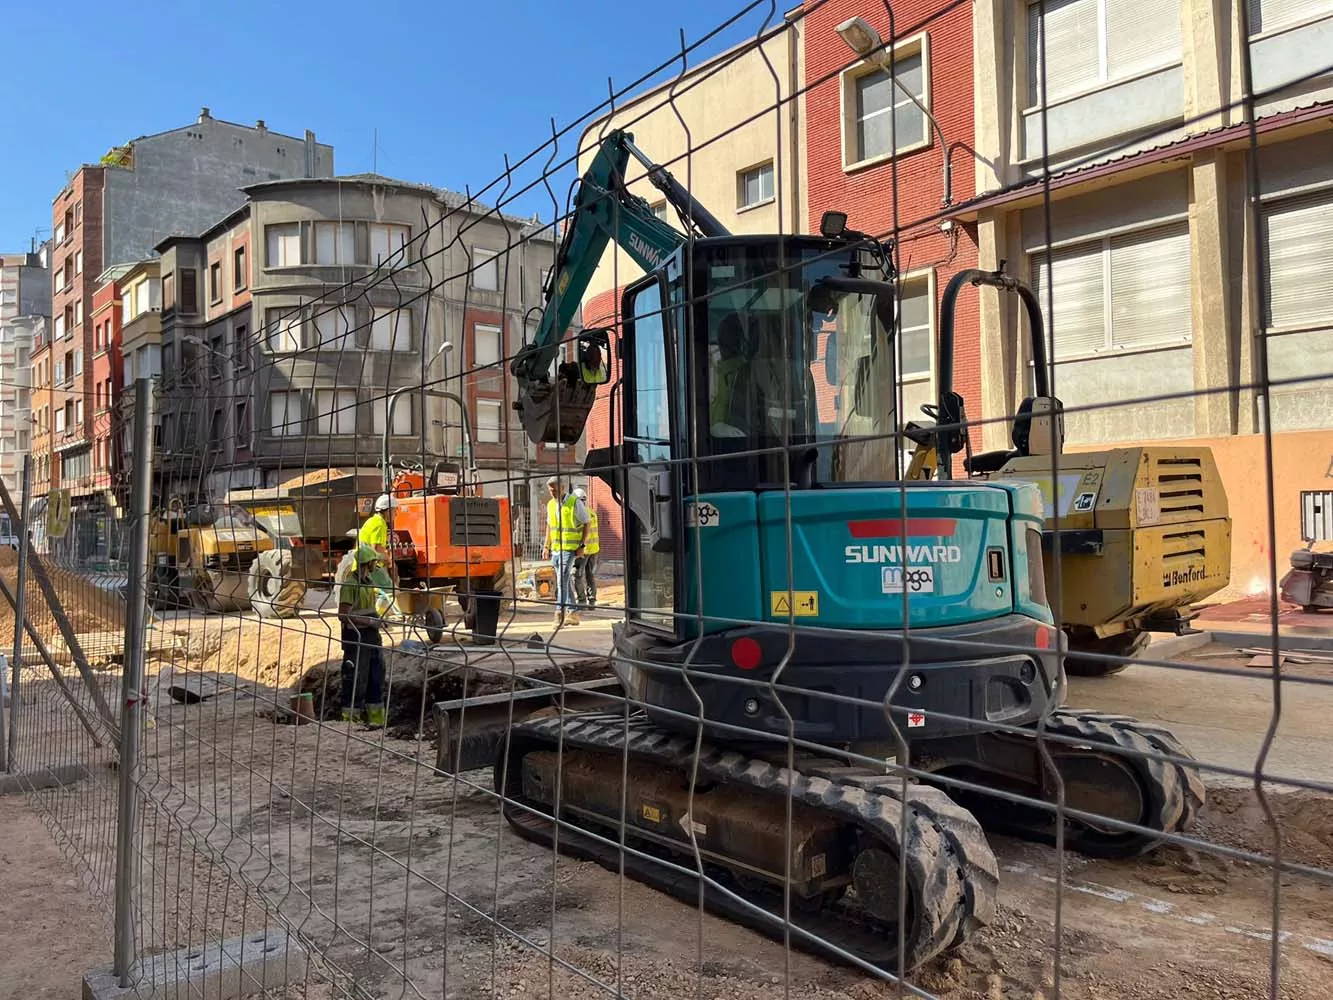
407,882
51,936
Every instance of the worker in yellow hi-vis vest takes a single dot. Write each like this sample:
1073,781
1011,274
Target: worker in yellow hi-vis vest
566,533
585,566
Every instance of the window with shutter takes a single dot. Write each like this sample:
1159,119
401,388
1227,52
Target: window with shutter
1269,15
391,329
335,243
403,409
285,414
332,325
1089,43
335,411
1298,233
1126,291
1150,287
1075,276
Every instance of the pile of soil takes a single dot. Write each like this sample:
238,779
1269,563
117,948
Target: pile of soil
89,608
1235,817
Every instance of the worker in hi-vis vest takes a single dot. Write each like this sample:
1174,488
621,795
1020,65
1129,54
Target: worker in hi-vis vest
585,566
566,533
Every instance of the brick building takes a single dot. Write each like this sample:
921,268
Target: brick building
114,212
850,164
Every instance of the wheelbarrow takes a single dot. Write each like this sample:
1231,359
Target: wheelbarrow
419,608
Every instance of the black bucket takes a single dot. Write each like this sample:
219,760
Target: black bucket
487,620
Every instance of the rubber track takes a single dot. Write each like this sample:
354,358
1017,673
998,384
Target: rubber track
1174,792
952,874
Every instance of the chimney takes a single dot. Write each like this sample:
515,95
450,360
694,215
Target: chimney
204,115
261,126
309,153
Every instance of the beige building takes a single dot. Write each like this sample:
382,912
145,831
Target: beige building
741,155
1158,276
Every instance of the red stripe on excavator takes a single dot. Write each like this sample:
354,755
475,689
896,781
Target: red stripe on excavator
897,527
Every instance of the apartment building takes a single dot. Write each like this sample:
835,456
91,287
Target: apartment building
742,157
299,328
114,212
1166,296
25,315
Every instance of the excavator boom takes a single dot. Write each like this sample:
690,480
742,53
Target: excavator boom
555,410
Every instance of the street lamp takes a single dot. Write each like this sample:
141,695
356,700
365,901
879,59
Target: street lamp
864,40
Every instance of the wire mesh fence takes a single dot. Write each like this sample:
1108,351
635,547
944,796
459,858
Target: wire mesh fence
688,595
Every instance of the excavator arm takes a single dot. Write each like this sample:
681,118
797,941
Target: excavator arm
555,411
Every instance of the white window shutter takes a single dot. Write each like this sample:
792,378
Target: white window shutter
1150,287
1072,53
1299,237
1141,35
1078,294
1268,15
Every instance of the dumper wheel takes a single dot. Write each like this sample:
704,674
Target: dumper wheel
275,590
1126,645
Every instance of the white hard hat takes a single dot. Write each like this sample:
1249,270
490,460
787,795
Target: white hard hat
383,502
581,493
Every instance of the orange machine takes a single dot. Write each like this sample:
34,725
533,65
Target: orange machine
449,537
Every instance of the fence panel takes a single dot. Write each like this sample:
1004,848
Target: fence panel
705,615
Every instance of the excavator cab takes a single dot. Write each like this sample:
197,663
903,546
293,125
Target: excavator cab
760,419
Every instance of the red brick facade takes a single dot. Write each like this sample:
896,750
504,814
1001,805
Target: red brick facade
601,311
76,262
867,194
107,374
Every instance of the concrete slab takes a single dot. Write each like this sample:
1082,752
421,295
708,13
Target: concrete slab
220,970
46,777
1169,647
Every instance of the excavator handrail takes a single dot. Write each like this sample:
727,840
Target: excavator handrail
1036,331
470,452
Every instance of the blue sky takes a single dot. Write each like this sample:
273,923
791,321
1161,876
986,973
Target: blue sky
451,86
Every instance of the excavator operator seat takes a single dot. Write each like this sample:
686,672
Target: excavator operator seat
1038,429
1044,430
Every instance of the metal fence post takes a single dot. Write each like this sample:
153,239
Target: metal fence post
133,682
20,607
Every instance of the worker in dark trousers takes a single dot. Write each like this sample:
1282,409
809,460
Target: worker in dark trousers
364,591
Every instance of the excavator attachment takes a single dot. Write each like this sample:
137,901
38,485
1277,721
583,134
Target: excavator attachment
555,411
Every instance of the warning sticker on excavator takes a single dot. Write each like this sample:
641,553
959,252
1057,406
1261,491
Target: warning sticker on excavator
651,813
916,720
801,603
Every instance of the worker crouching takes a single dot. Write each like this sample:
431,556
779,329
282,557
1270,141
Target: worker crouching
361,594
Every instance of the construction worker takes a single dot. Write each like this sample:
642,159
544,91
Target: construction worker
585,566
566,535
375,532
591,368
360,593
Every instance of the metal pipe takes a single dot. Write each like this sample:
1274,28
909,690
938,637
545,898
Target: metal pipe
132,685
20,607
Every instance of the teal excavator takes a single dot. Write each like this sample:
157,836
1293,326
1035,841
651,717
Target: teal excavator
801,622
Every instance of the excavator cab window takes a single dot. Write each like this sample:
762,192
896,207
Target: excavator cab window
792,368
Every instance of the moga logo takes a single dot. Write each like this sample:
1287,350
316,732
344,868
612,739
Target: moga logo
912,580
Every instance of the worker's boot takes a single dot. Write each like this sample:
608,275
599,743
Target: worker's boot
346,715
573,618
375,716
557,619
